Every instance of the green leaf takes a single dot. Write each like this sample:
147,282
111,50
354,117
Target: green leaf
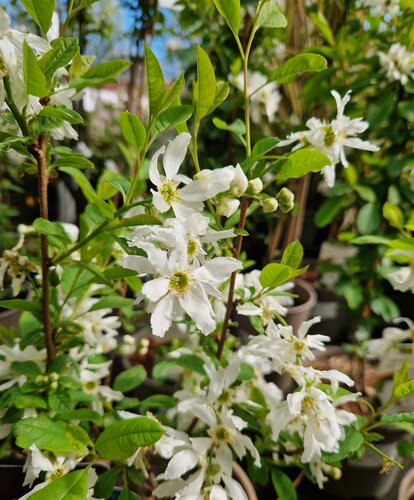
397,417
28,368
62,113
370,239
366,193
385,307
54,229
34,78
73,160
121,439
170,118
230,11
222,91
191,362
105,485
301,163
41,12
62,52
293,255
274,275
72,486
406,110
368,219
81,414
45,433
401,375
132,129
322,24
88,191
173,92
127,495
155,81
393,214
20,305
59,401
108,69
270,16
403,390
237,128
297,65
283,485
130,379
405,448
205,86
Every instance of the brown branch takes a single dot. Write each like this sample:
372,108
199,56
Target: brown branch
39,152
236,254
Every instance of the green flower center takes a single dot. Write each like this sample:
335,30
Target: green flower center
193,249
169,191
299,347
221,435
180,282
89,386
329,136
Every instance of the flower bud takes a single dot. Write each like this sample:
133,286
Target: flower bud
54,376
239,183
39,380
270,205
286,200
255,186
227,206
54,385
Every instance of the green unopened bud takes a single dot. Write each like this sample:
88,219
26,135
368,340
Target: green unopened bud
270,205
335,473
54,376
53,386
45,379
286,200
54,278
39,380
255,186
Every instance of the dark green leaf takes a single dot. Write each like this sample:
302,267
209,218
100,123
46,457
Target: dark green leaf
283,485
41,12
297,65
71,486
130,379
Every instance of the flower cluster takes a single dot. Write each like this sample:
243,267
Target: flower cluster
398,63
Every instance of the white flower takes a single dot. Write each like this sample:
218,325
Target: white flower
178,287
227,206
9,355
265,97
98,329
54,466
188,199
316,417
195,229
332,138
403,279
398,63
394,346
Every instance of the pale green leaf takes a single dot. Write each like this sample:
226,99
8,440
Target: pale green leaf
297,65
41,12
230,11
132,129
34,78
205,85
301,163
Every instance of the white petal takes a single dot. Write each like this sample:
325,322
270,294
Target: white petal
218,493
159,202
180,464
220,268
329,174
162,315
137,263
175,153
155,289
154,174
196,304
235,490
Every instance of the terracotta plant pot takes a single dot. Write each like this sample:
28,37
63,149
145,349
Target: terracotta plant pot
406,489
240,476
